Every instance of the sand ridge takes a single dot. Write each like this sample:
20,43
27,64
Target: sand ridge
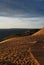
40,32
17,50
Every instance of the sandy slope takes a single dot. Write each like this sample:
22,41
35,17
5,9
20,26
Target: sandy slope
40,32
38,48
17,51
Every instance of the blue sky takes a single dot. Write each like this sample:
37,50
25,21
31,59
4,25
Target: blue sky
21,13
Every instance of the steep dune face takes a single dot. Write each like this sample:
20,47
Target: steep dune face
38,48
40,32
16,51
39,36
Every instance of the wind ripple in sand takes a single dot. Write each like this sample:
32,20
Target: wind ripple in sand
17,52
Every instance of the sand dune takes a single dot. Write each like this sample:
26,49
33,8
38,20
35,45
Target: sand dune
40,32
38,48
17,51
21,40
38,51
23,50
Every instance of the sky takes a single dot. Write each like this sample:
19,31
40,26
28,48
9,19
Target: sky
21,13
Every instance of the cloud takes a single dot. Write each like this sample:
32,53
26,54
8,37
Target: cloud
22,8
10,22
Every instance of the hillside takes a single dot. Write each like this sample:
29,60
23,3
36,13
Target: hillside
39,34
17,51
38,48
24,50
